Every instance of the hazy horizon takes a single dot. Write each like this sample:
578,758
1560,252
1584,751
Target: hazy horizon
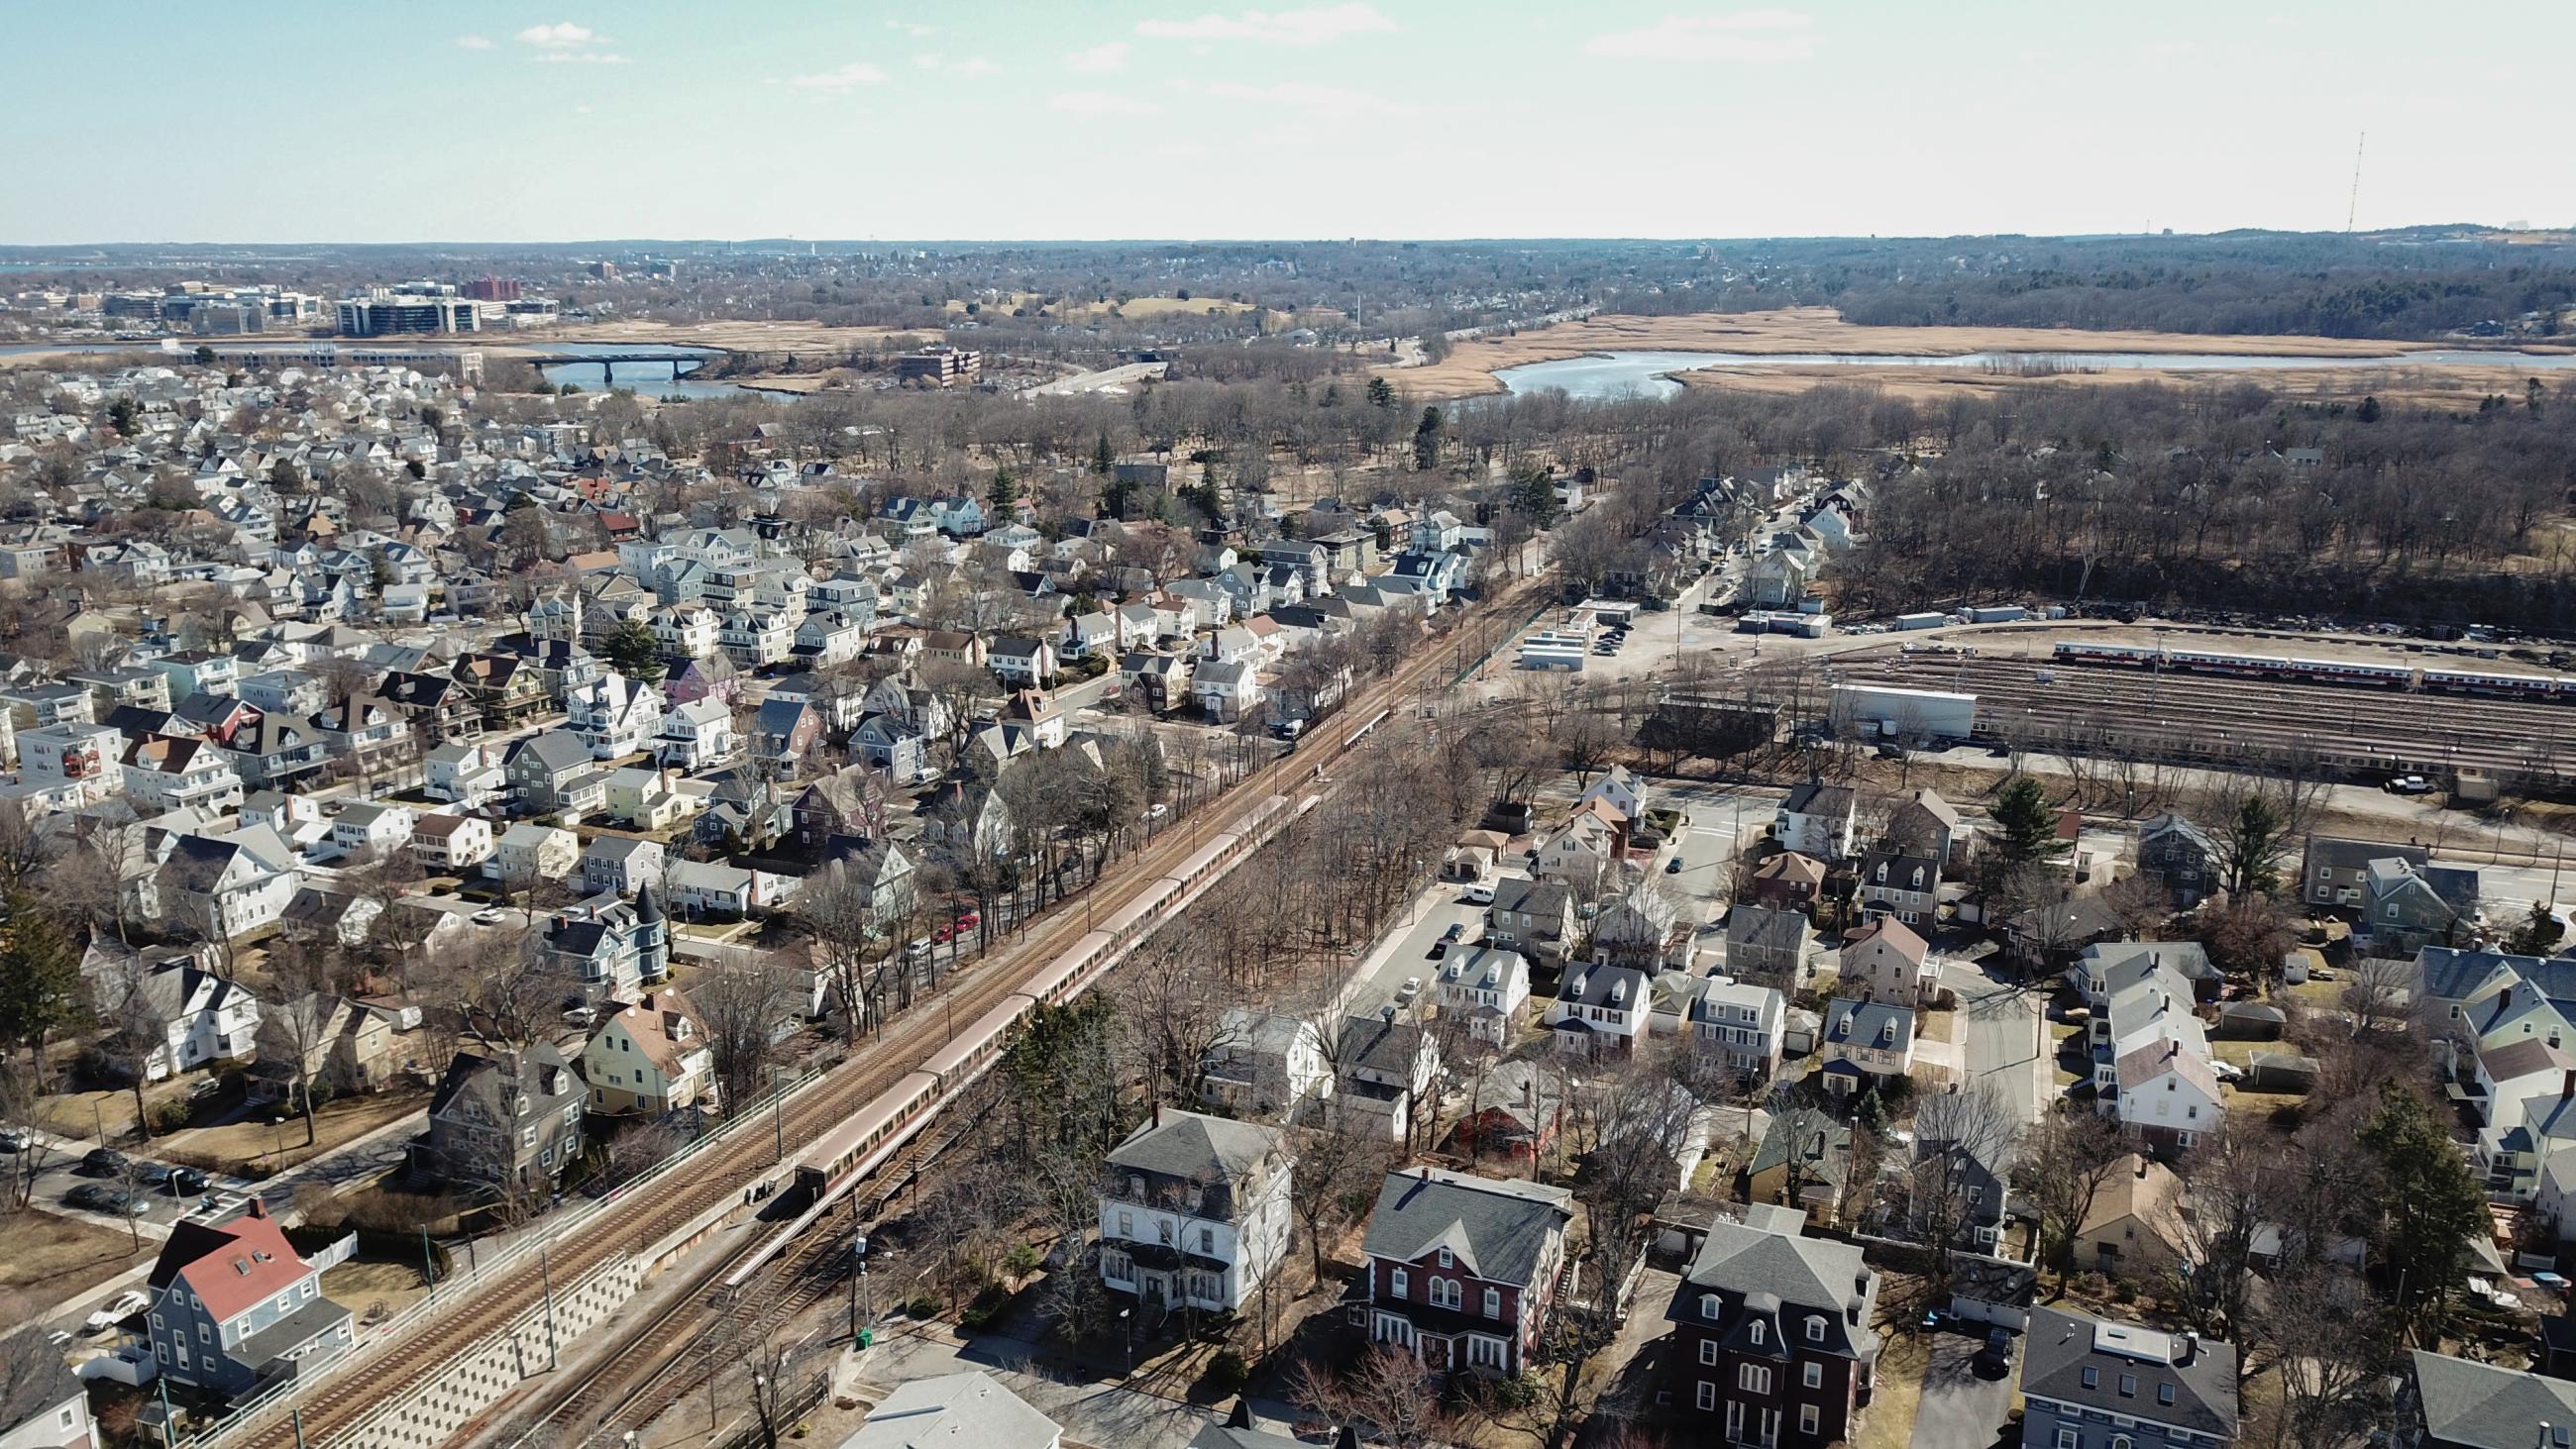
1142,120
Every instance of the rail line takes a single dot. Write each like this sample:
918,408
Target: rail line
2218,717
347,1398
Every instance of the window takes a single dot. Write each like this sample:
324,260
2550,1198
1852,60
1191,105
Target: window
2164,1394
204,1335
1445,1260
1815,1330
1806,1418
2092,1377
1207,1240
1493,1303
1399,1284
1708,1350
1753,1379
2066,1439
1126,1223
1813,1376
1706,1398
2120,1441
181,1349
1755,1329
1708,1306
2128,1386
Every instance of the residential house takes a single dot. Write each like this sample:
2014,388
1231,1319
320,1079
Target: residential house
1768,946
2097,1383
45,1406
614,716
1927,825
1803,1161
200,1017
164,773
1963,1163
1516,1109
2336,872
2458,1403
714,888
277,751
1599,1009
886,742
2137,1228
1789,881
364,830
1194,1212
229,887
1818,820
1384,1071
451,844
1225,692
1906,887
1022,662
698,735
1773,1341
506,1123
1265,1064
2180,856
623,864
1484,987
1885,961
1866,1044
529,852
1532,917
2151,1058
967,1410
650,1058
1463,1270
1739,1025
612,948
2406,906
465,773
235,1307
548,772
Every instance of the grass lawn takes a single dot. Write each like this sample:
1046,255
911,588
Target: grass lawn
1940,1025
2241,1101
2241,1053
374,1291
1888,1422
59,1258
80,1114
2058,1032
252,1148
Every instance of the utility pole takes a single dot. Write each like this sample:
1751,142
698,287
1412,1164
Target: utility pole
545,1271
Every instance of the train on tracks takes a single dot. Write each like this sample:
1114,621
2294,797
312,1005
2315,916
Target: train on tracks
875,1130
2426,680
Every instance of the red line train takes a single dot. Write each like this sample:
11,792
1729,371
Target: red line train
2321,671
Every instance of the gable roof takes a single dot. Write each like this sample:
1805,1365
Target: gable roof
1499,1229
2201,1371
2484,1406
1196,1147
229,1266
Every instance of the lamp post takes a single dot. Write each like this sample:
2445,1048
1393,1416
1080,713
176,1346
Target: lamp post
1127,1332
858,1279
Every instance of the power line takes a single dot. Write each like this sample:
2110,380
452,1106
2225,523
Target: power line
2353,208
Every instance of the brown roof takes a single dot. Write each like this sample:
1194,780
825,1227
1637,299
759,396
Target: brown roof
1897,935
438,827
1790,865
2141,1189
658,1024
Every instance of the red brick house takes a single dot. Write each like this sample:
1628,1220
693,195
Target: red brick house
1462,1270
1789,881
1772,1342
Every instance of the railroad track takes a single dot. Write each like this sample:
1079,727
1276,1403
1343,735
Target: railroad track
402,1367
2212,717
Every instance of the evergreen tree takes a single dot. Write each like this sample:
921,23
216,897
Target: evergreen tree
2429,1204
631,650
1005,492
1426,441
1380,394
42,994
124,416
2028,827
2539,933
2250,845
1102,459
205,355
1534,493
2369,411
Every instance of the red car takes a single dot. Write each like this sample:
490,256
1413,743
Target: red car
943,934
969,921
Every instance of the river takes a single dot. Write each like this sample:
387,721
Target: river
1619,374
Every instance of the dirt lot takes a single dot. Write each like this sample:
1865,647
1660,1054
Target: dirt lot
1469,366
253,1147
59,1258
374,1290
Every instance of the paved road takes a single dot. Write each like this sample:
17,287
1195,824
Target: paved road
1960,1409
2002,1038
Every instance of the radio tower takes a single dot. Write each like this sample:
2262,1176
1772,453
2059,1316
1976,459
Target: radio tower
2353,207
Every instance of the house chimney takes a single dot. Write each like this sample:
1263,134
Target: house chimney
2190,1345
2142,1165
1158,1114
257,1208
2567,1084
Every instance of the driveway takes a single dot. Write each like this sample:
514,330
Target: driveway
2002,1038
1960,1409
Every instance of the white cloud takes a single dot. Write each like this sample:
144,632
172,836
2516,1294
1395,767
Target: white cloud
1274,27
1746,35
838,82
912,28
925,62
563,35
582,57
1325,101
1100,103
973,67
473,42
1099,59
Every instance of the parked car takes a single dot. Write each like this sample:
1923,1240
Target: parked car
1456,930
1480,894
490,916
116,1310
1411,988
152,1174
12,1140
970,920
944,935
102,1162
1995,1357
1673,866
187,1182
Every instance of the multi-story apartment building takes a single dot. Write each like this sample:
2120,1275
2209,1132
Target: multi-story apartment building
1194,1211
1772,1336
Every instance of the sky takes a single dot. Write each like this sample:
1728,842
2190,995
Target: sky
536,120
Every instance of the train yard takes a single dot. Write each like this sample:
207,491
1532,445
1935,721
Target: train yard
851,1124
2361,729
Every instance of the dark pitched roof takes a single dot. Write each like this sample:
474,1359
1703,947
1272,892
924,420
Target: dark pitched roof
2202,1372
1498,1228
1196,1147
2486,1407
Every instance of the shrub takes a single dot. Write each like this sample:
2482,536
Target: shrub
1227,1372
922,1305
1022,1260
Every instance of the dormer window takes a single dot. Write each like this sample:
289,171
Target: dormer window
1708,1306
1754,1330
1445,1260
1815,1330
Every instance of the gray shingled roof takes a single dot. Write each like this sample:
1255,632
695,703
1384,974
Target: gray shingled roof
1498,1227
2486,1407
2061,1345
1196,1147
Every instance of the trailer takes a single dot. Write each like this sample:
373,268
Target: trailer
1996,614
1910,714
1921,621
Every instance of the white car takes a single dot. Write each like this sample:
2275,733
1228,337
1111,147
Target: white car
116,1310
2226,1071
1411,988
490,916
